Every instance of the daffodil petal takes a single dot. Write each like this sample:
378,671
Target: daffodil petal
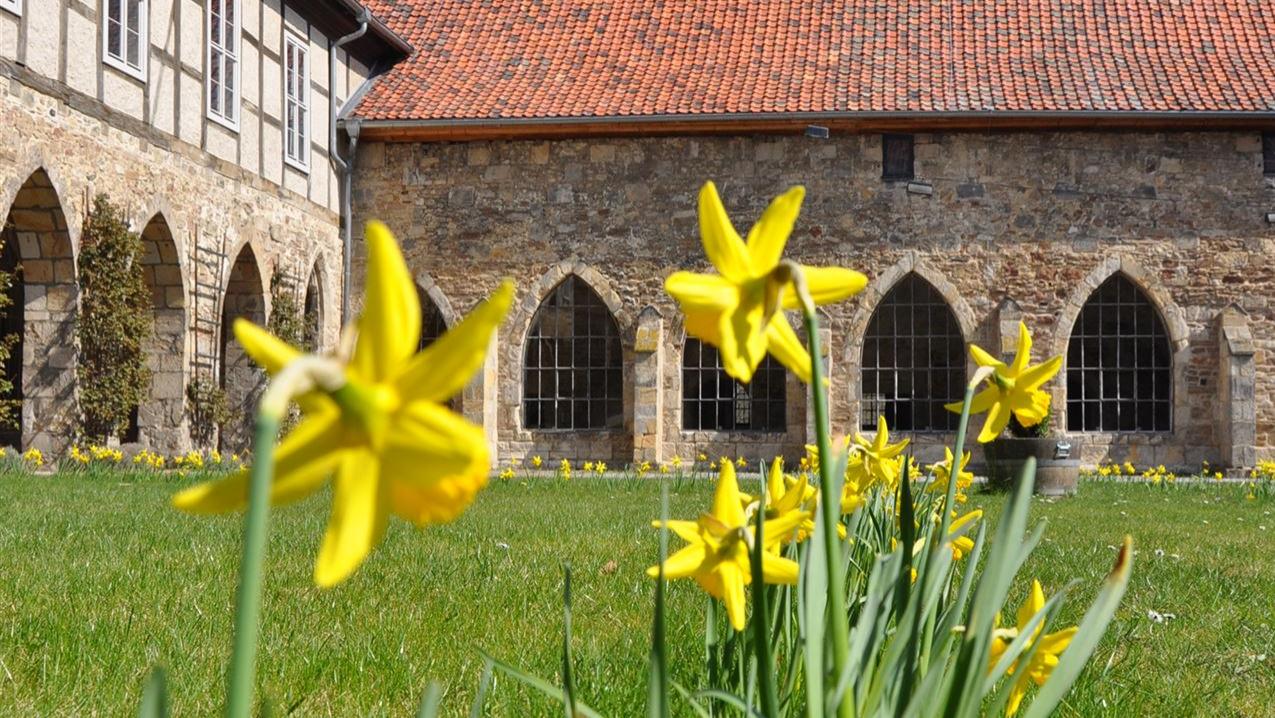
1057,642
702,291
721,242
726,504
684,563
1039,374
783,344
1024,350
390,326
982,358
1031,408
359,516
777,569
827,285
994,424
743,342
270,352
304,459
435,463
687,530
444,368
732,577
768,236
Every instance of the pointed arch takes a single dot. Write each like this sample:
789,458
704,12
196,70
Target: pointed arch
36,235
554,276
159,418
314,306
437,315
242,381
907,376
1124,344
573,368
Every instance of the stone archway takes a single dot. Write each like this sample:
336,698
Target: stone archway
313,310
240,378
160,417
46,294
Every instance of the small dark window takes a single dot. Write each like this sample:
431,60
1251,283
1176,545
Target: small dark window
713,401
432,324
913,360
1268,154
896,157
573,377
1119,364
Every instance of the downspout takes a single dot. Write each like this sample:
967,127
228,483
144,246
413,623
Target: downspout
343,167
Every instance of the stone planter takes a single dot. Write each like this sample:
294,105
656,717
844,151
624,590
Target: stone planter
1057,463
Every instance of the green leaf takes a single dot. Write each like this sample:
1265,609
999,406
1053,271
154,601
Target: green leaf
568,680
545,687
430,702
765,669
155,696
657,703
1091,630
484,685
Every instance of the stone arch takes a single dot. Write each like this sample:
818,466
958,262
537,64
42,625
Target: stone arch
315,304
37,237
160,417
242,381
555,275
437,317
868,301
428,290
1161,299
573,361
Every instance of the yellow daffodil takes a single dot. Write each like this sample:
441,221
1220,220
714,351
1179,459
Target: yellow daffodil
588,466
784,496
942,474
702,457
600,467
507,474
1046,656
741,462
1013,388
536,461
386,436
676,461
738,310
717,554
875,461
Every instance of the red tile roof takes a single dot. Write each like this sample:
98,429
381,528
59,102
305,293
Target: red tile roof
513,60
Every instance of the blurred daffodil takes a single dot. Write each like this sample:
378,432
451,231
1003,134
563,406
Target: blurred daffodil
1012,389
717,554
386,436
1046,656
785,495
943,471
875,461
738,310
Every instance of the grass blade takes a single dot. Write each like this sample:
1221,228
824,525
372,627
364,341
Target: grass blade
484,685
155,696
1091,630
657,670
545,687
429,704
568,680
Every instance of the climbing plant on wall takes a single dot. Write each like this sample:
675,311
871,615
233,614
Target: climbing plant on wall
115,324
10,404
286,322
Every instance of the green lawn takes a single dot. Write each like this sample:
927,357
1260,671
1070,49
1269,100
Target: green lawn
99,580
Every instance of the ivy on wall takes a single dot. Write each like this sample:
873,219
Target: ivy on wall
115,324
10,406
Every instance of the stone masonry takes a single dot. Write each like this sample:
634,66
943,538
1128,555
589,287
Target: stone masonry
196,214
1004,226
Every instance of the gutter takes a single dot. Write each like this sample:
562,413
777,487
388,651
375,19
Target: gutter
344,168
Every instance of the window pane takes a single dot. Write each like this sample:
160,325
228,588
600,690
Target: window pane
713,401
114,38
1118,352
913,360
574,332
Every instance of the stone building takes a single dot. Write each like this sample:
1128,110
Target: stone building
211,124
1103,172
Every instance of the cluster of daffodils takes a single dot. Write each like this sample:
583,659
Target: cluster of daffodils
34,457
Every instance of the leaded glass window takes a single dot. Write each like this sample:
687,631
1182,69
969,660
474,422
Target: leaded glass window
913,360
713,401
572,368
1119,363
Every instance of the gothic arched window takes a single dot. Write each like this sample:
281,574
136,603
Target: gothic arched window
713,401
913,360
572,366
1119,363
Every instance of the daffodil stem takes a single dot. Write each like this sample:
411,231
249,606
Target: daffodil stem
829,505
243,659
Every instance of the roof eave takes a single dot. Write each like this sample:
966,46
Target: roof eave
792,122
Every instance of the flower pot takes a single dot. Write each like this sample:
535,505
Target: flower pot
1057,463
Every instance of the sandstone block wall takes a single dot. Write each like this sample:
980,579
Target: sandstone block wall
1002,224
197,216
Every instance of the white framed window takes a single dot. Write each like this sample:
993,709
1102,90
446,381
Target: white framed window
124,32
296,101
223,62
13,6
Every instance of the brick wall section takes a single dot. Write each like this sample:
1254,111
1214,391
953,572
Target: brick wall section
1016,225
55,158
